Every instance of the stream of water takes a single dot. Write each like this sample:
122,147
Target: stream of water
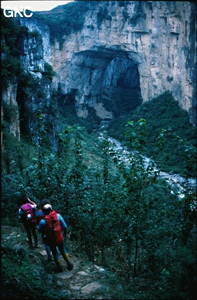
172,179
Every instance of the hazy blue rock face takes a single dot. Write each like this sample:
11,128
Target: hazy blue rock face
141,49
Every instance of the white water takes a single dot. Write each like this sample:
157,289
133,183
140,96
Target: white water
172,179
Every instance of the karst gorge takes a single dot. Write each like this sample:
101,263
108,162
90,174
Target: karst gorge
99,116
141,48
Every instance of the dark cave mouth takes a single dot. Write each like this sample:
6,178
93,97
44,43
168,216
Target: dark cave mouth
110,77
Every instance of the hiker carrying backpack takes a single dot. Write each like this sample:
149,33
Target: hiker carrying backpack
27,212
41,216
53,233
51,228
26,215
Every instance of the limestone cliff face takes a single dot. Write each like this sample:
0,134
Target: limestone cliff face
11,109
146,46
36,47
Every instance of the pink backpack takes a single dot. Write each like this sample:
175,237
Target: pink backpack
28,212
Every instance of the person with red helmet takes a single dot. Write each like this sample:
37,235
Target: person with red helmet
40,216
51,228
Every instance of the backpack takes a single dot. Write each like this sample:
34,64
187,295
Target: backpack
28,212
52,233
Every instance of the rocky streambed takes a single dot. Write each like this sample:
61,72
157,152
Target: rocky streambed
173,179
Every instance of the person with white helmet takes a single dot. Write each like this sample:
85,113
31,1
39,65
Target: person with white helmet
51,228
40,216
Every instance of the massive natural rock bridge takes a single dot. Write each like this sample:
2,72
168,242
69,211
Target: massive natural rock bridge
95,77
145,47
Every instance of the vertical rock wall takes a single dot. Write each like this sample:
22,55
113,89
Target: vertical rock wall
11,109
158,37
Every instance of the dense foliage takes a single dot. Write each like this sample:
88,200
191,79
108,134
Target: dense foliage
123,216
164,114
10,63
19,279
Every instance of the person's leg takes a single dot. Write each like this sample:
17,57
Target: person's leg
56,257
28,231
48,251
33,230
65,256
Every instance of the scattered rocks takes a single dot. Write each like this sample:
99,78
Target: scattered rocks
75,287
83,273
64,276
99,268
172,179
65,294
83,282
91,287
43,253
59,284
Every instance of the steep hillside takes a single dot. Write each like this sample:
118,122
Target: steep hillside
26,274
163,114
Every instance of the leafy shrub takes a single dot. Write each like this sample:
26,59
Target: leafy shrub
11,33
48,72
23,276
162,112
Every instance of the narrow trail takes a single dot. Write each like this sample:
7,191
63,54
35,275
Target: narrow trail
83,282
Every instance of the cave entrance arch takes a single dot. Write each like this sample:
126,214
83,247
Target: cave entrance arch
106,82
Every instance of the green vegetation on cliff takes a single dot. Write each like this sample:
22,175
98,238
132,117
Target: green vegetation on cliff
163,113
64,19
10,49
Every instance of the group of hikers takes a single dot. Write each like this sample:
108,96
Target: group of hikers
50,224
